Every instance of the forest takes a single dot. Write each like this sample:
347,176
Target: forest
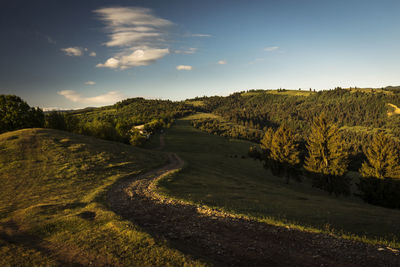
321,135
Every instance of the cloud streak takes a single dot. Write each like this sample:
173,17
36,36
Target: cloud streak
271,48
141,36
104,99
90,83
222,62
201,35
188,51
184,67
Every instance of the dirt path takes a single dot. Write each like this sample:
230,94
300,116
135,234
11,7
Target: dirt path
224,240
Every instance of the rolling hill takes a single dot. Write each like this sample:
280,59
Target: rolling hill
52,202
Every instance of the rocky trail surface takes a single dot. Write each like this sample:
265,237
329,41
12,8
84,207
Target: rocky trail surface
223,239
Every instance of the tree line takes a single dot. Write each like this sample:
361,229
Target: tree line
326,160
116,122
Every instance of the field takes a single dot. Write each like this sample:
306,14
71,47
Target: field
218,173
52,203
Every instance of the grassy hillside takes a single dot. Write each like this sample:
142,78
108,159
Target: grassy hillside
52,208
217,173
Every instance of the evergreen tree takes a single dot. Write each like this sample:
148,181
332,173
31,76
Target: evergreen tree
284,154
266,141
327,157
380,184
382,158
327,153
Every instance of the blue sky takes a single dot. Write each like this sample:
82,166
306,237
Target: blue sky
73,54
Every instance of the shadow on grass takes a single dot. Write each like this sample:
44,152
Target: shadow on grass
11,233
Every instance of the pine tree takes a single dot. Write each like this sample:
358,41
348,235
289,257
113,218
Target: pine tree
284,154
380,184
266,141
284,148
327,153
327,157
382,158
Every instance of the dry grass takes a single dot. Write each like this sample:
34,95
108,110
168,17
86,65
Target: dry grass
53,208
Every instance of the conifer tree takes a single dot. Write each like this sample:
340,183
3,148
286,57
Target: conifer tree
382,158
380,184
327,157
327,153
266,141
284,148
284,152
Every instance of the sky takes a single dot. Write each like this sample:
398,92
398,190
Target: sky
74,54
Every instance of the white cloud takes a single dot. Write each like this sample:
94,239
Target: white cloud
133,26
271,48
90,83
107,98
222,62
188,51
92,54
73,51
139,57
184,67
51,109
134,29
201,35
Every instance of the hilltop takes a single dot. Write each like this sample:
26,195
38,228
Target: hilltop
52,204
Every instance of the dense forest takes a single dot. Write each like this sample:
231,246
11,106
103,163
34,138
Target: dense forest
358,113
320,135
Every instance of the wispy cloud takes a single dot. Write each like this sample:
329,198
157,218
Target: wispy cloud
104,99
73,51
90,83
222,62
271,48
257,60
188,51
201,35
141,35
184,67
92,54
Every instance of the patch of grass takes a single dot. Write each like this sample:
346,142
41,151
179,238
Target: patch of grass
276,92
52,202
218,173
195,103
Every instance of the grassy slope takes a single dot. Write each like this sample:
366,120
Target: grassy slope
52,207
213,176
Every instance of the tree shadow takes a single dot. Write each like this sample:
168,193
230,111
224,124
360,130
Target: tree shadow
381,192
12,234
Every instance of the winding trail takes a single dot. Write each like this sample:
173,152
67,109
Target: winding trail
223,239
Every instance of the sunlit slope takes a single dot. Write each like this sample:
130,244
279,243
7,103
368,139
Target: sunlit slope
52,208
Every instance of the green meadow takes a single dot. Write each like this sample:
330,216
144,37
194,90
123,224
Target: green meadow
218,173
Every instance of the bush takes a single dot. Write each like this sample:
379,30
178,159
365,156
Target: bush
17,114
